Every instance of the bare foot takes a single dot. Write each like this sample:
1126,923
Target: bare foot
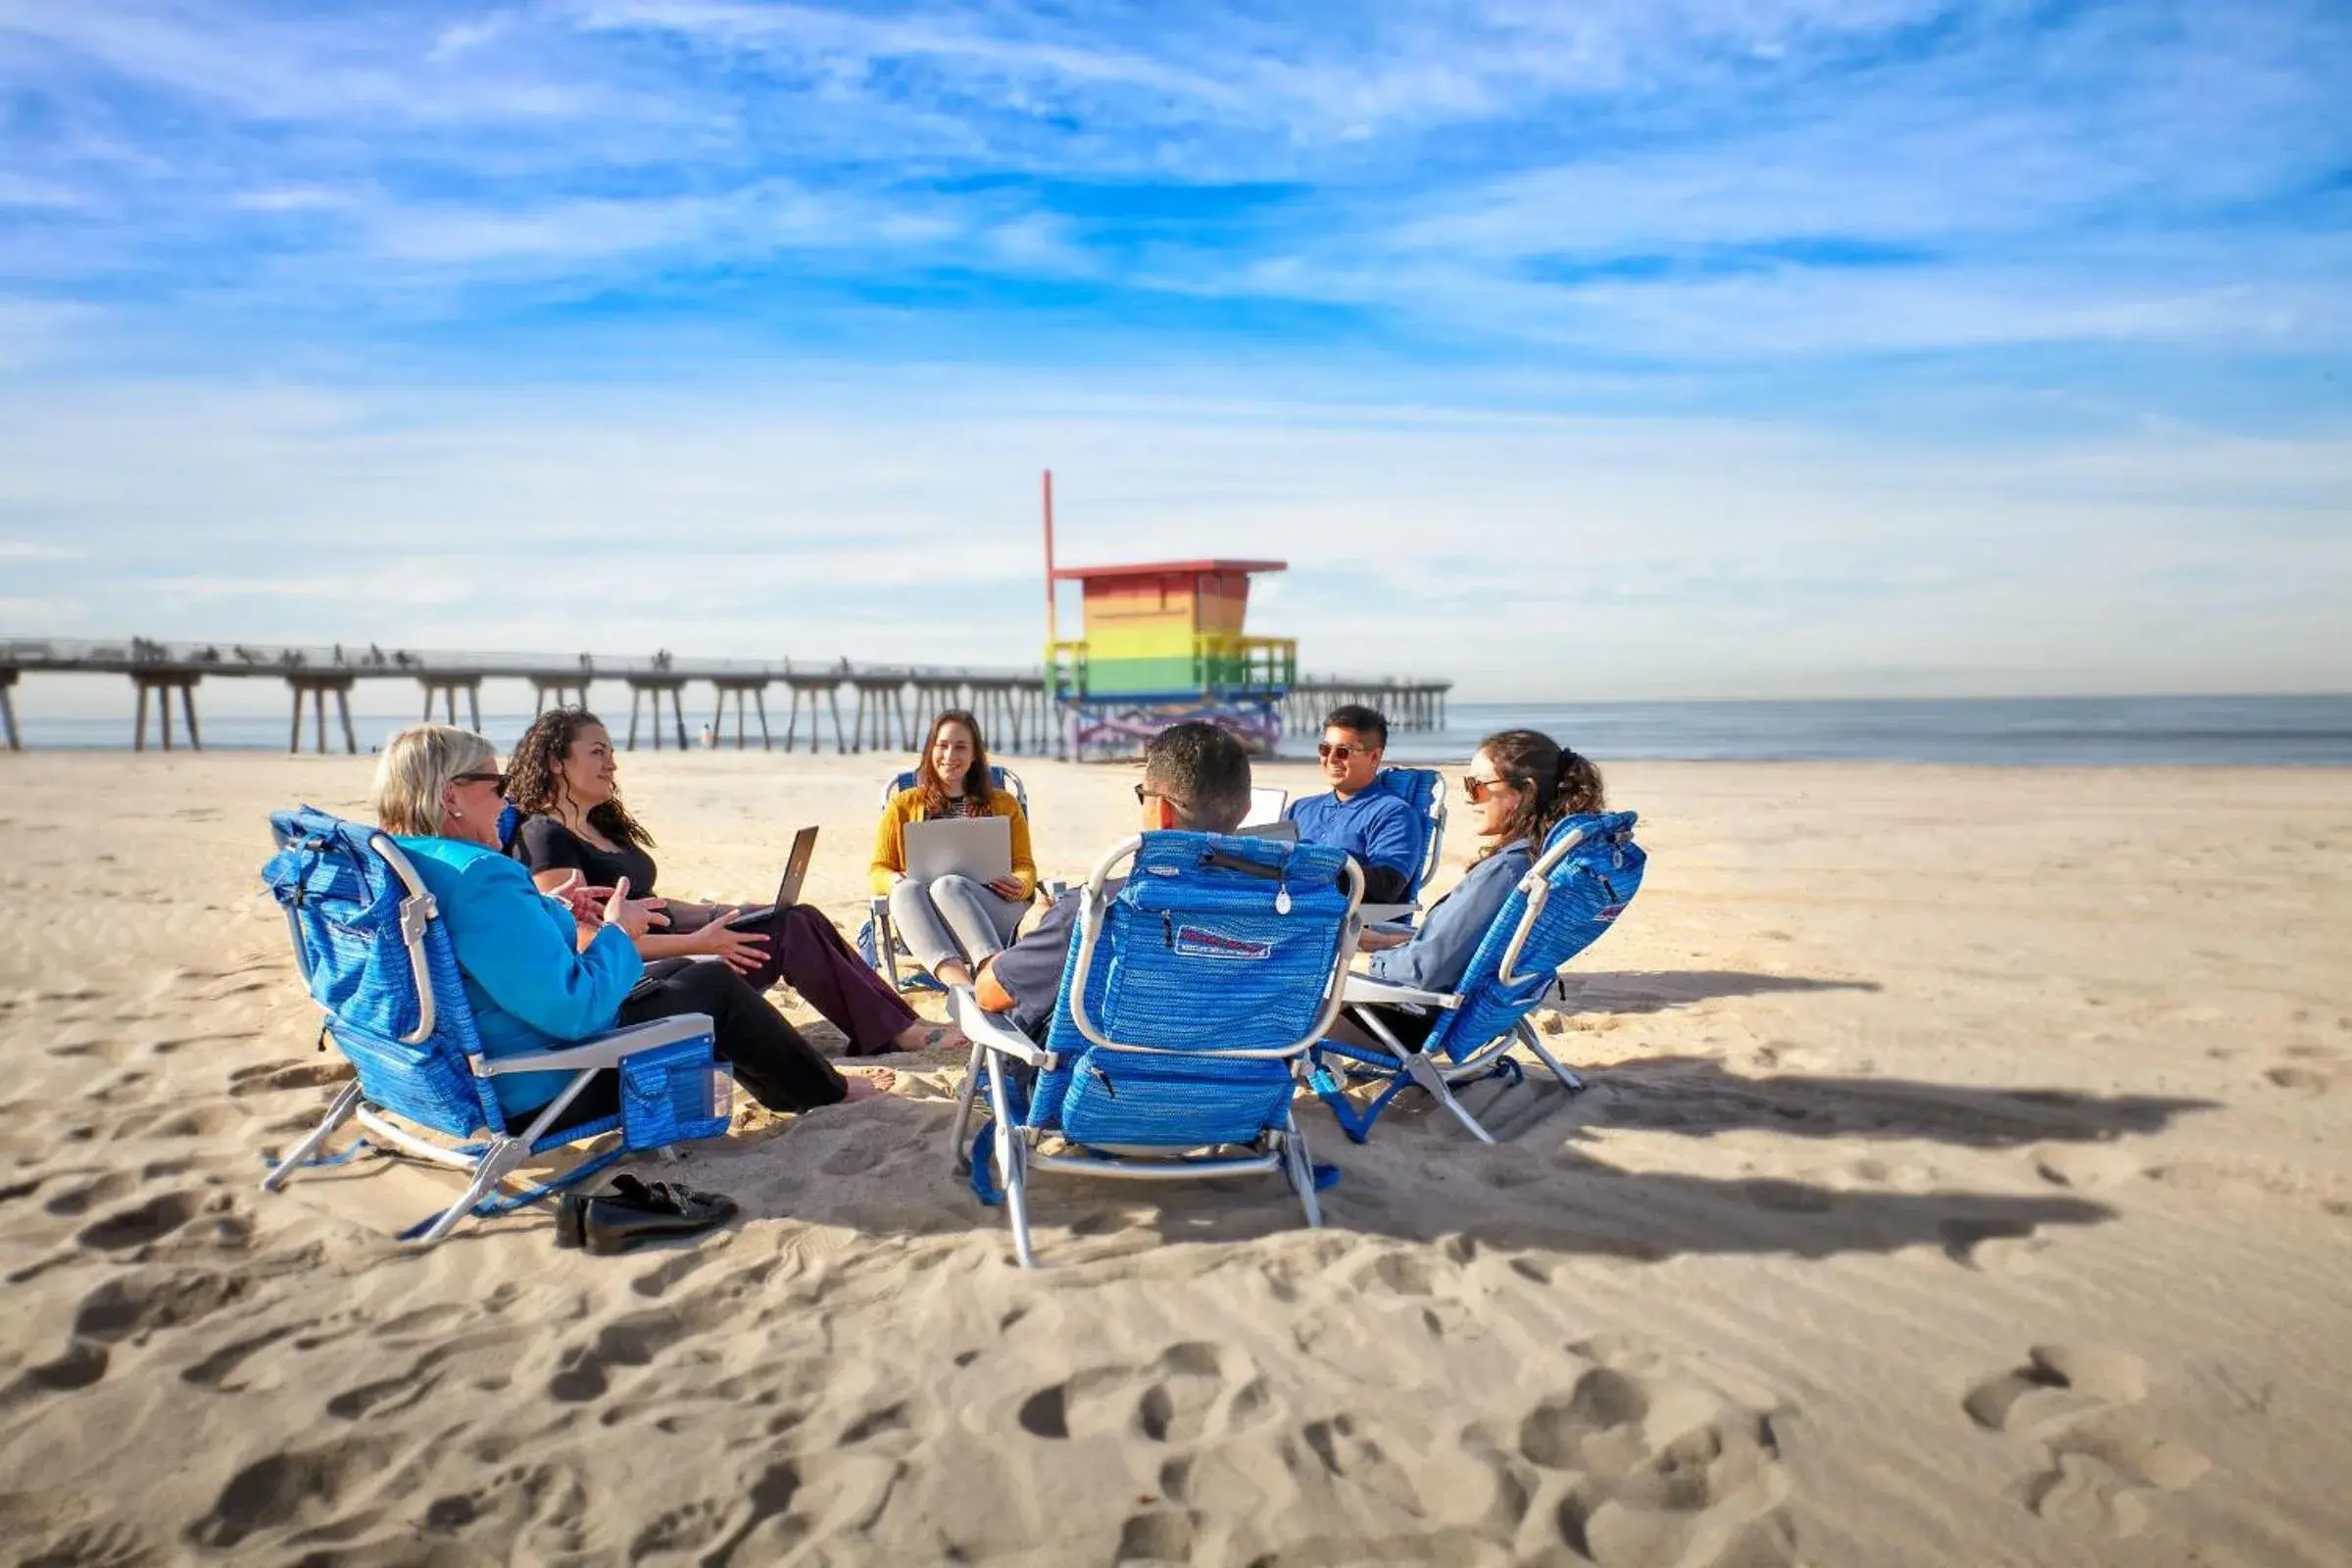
866,1085
925,1036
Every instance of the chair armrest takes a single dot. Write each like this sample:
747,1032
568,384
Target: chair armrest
605,1051
989,1029
1375,913
1363,988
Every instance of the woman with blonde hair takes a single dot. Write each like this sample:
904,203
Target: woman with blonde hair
540,972
952,919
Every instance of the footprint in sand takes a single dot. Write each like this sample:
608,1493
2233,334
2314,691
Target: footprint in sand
2306,1079
1991,1246
1659,1468
1190,1391
2085,1165
157,1217
268,1077
2098,1468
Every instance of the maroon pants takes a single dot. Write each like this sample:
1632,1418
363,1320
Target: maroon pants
807,953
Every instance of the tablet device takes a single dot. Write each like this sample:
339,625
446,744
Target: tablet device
788,888
977,847
1283,832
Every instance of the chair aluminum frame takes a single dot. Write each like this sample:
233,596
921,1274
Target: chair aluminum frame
491,1161
1015,1146
1440,1075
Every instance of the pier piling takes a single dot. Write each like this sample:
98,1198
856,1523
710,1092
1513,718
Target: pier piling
446,687
568,691
740,688
658,686
315,687
8,709
162,685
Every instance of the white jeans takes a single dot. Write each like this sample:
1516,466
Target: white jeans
953,918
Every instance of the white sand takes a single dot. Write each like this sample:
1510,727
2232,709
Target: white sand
1963,1180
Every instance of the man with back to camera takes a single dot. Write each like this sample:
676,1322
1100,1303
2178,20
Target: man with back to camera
1383,831
1196,776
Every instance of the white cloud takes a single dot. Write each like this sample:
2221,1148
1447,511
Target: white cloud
1525,556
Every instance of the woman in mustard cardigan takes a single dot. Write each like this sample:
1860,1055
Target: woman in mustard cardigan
954,918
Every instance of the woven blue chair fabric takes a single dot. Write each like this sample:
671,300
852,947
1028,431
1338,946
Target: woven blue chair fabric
903,781
343,903
1419,788
1588,889
1215,944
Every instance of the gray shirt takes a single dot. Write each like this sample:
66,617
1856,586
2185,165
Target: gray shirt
1439,955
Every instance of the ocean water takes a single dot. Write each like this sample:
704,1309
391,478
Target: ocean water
2036,731
2056,731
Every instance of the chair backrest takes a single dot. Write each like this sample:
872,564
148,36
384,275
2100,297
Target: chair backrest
1192,983
1589,870
378,960
1003,778
1424,789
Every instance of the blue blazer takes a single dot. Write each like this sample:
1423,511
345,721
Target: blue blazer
530,985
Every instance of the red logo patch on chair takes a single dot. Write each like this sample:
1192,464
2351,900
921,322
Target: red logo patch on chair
1198,941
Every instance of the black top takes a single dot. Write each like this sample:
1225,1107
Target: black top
546,845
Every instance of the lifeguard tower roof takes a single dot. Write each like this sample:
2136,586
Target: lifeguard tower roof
1165,568
1170,630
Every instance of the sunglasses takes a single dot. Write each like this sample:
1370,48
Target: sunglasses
1142,795
499,779
1474,788
1342,752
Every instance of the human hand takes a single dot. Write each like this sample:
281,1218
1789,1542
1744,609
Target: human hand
741,950
636,916
587,904
1381,941
1008,887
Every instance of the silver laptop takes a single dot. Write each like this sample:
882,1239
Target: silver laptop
1266,805
788,887
977,847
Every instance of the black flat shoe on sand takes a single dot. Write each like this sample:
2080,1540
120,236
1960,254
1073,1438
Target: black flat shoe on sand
630,1212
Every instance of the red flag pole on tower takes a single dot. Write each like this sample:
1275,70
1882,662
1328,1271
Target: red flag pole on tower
1053,625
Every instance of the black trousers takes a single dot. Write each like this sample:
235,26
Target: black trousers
782,1071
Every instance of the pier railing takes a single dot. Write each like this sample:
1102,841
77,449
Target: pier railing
892,701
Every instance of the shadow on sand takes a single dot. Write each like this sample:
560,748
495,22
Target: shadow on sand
1421,1179
1699,1096
1623,991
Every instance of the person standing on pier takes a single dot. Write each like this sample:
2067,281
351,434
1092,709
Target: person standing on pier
1381,830
575,830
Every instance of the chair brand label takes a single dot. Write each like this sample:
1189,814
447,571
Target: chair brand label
1199,942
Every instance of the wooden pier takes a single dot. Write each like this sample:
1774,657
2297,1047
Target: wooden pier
893,702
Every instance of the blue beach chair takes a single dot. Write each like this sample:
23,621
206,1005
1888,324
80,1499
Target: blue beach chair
1589,869
877,943
377,960
1424,789
1193,992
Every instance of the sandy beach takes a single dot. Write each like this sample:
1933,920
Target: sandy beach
1964,1177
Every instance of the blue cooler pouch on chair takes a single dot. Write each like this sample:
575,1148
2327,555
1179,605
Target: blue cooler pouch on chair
672,1093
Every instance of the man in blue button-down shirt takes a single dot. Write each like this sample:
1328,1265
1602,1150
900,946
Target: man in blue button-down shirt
1383,831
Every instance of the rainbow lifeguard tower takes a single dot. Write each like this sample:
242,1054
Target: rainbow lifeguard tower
1163,643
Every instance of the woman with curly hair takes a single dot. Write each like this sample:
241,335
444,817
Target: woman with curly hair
574,826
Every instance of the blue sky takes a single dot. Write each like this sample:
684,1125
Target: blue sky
1635,347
